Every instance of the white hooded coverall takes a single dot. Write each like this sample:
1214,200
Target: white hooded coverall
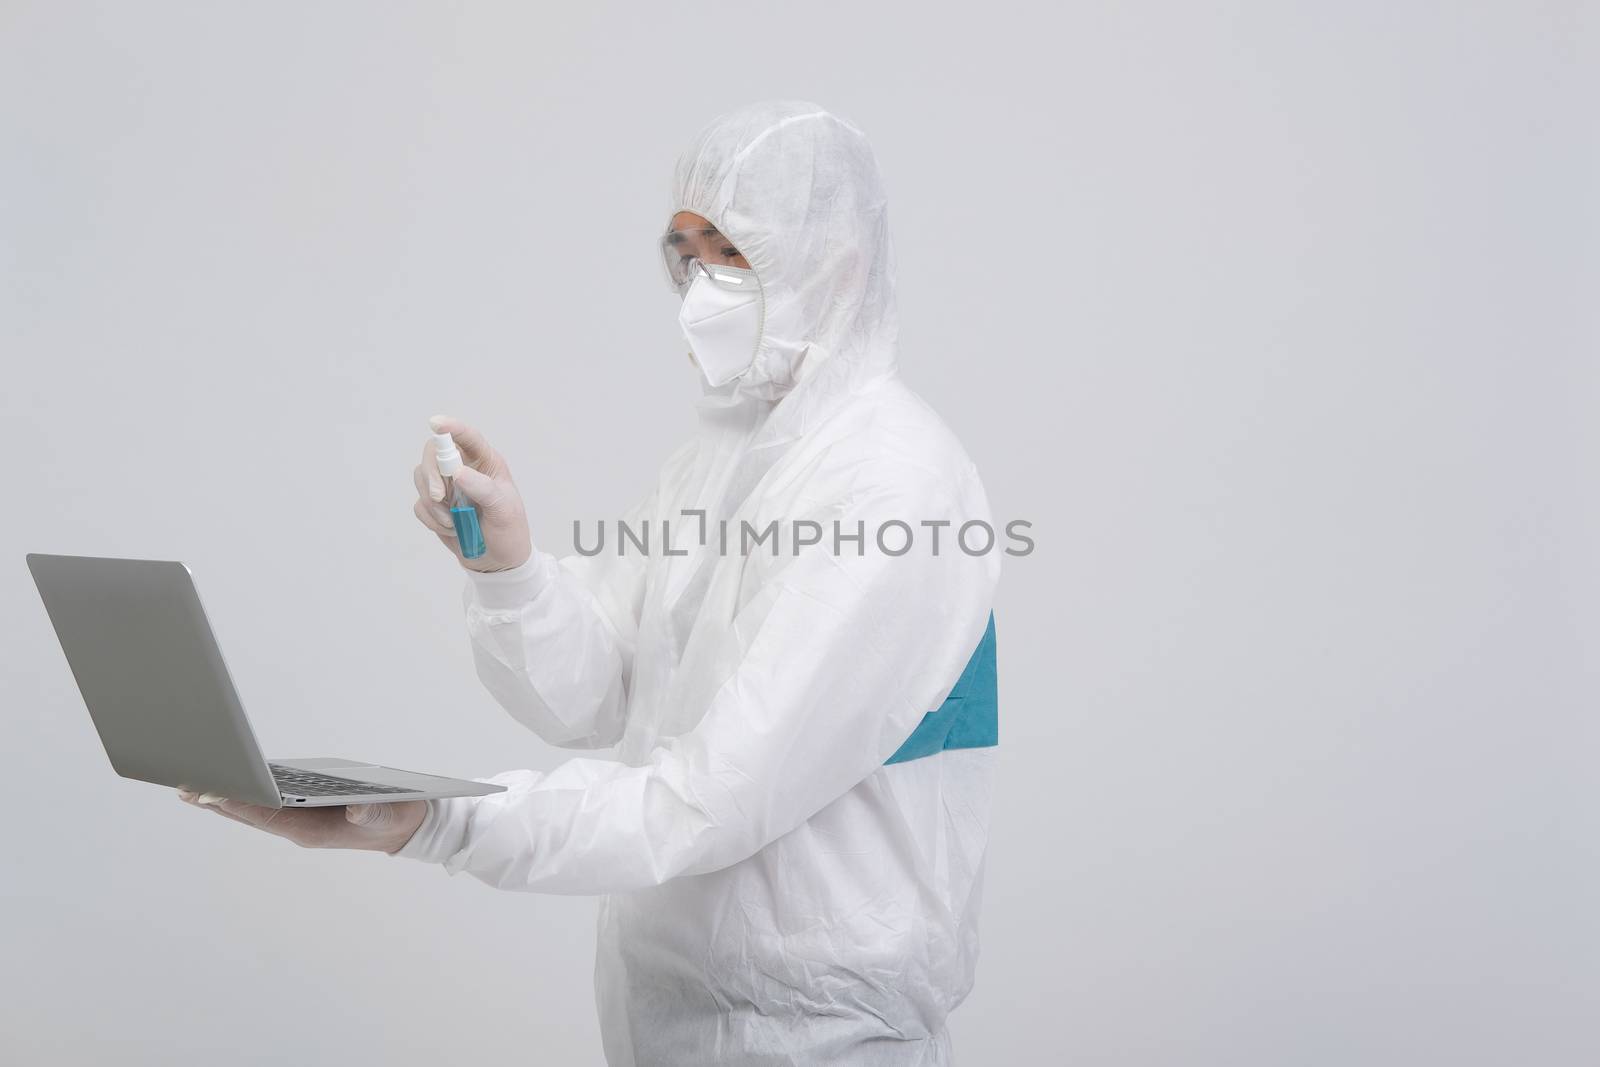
790,833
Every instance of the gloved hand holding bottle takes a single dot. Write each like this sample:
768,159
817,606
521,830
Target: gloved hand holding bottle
500,529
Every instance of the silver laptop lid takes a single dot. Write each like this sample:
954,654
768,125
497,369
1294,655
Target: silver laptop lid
150,671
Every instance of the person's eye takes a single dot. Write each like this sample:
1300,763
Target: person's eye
730,252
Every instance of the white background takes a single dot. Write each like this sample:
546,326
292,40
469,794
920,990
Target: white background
1277,321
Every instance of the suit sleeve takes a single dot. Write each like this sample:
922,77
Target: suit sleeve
553,640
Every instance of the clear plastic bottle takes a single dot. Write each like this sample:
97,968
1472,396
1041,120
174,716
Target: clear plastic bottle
463,513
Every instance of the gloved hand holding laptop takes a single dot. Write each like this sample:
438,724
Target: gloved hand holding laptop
374,827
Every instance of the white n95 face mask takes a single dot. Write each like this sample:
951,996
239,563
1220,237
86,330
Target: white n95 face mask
721,319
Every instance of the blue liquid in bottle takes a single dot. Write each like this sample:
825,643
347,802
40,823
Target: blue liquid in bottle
469,535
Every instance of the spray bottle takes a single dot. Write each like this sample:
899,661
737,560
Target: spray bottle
469,534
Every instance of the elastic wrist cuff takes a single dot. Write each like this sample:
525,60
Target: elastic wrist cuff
439,836
503,590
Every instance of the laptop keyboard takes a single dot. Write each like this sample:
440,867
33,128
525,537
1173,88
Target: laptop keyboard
310,784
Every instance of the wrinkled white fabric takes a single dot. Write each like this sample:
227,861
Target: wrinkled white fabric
775,894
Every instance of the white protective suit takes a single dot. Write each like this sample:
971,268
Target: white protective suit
790,875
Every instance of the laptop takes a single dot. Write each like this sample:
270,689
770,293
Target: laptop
150,671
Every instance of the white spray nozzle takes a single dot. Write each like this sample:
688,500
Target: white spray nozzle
445,451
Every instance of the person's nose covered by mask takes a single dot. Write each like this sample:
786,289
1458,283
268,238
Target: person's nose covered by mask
721,320
722,310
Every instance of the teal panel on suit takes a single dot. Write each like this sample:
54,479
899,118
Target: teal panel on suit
970,715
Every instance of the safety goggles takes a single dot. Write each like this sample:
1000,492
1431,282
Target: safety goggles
687,253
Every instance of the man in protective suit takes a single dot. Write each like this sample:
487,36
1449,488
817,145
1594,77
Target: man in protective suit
789,835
